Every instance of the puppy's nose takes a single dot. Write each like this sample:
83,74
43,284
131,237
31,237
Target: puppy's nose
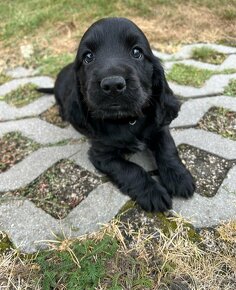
113,85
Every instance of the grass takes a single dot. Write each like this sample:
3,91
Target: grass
50,65
208,55
188,75
230,90
55,27
220,121
126,255
22,96
192,76
4,78
78,265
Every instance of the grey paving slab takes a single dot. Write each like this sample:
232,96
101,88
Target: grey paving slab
39,130
20,72
98,208
81,158
186,51
229,63
214,86
37,107
33,165
30,228
16,83
144,159
206,141
193,110
205,212
26,225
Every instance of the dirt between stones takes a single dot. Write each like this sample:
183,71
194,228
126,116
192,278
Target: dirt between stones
59,189
207,169
52,116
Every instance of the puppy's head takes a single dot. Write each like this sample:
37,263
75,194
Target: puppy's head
116,70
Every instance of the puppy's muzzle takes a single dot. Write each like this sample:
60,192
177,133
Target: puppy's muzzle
113,85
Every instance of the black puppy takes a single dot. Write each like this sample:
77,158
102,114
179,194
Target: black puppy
116,93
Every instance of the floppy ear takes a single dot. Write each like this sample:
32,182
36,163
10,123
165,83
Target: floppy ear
167,104
76,110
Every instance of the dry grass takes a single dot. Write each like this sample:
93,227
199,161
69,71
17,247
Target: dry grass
156,259
174,259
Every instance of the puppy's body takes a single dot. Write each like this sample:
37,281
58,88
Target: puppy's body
116,94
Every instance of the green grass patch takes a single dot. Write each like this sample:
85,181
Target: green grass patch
208,55
78,266
191,76
51,65
230,90
28,16
4,78
22,96
188,75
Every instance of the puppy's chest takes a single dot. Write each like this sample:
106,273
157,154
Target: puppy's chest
127,137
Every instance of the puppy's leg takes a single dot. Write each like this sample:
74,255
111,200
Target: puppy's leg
173,174
132,180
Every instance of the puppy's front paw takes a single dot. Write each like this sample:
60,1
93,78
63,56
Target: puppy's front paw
155,198
180,184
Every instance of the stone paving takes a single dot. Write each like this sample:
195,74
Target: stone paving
29,227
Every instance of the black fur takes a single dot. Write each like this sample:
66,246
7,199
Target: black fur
120,51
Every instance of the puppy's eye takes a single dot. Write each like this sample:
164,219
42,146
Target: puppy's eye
88,57
137,52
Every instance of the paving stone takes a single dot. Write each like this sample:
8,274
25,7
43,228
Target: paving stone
101,205
37,107
27,226
145,159
33,165
14,84
229,63
30,227
214,86
39,130
193,110
206,141
186,51
81,158
20,72
205,212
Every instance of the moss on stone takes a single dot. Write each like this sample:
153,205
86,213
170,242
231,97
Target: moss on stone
5,243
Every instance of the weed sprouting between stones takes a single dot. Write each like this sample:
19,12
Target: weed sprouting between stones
192,76
4,78
230,90
22,96
209,55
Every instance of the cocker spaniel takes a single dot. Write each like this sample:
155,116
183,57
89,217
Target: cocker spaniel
116,93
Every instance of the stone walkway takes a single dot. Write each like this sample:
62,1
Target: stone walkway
29,227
